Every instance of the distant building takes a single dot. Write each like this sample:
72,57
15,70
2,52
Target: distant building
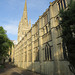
40,47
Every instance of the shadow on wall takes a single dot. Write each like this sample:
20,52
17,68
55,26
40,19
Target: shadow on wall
37,66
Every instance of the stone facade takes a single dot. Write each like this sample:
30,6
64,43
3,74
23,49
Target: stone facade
40,48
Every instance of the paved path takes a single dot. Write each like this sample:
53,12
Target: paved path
13,70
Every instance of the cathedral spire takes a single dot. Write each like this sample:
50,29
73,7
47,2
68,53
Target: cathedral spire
25,18
23,25
25,8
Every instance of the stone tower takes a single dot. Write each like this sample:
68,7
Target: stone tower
23,24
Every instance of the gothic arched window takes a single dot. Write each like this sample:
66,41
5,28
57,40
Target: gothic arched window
48,55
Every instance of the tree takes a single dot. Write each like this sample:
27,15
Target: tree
5,44
67,23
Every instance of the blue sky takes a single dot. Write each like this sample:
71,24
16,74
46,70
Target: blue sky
11,12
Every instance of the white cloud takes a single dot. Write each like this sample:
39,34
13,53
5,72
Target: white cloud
11,27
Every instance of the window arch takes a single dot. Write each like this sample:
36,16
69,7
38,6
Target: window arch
48,53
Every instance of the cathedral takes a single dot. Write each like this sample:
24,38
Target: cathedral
40,48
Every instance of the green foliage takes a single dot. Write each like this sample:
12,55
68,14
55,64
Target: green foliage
68,30
1,66
5,43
